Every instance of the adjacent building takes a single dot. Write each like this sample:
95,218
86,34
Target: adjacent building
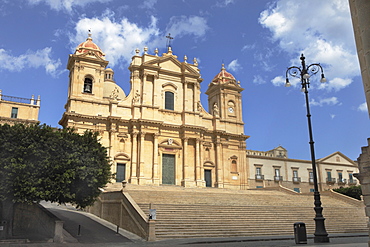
273,168
19,110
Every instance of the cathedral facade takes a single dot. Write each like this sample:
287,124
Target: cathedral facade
159,133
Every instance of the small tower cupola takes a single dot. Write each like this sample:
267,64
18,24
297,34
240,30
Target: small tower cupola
109,75
223,77
90,48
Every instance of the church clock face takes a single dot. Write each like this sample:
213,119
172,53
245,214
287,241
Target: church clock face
231,110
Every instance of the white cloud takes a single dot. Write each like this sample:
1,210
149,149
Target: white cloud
224,3
249,47
182,25
148,4
258,80
363,107
234,65
322,30
336,84
31,59
326,101
332,116
281,81
119,38
66,5
278,81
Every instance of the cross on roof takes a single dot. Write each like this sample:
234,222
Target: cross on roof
169,40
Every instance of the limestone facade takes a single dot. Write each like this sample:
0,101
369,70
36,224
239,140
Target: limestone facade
273,168
19,110
159,133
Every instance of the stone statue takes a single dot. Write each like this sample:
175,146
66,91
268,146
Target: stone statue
215,110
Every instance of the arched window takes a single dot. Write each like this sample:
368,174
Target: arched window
169,100
88,85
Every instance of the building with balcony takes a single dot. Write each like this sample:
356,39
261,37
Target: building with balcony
19,110
273,168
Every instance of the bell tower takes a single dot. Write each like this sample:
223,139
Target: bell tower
87,73
224,99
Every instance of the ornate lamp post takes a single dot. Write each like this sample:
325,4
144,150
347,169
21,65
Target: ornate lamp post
304,73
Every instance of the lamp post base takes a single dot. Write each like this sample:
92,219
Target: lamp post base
321,238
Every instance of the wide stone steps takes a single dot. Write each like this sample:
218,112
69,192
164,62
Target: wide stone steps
194,213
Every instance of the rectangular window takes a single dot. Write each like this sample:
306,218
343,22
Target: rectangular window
329,175
258,171
340,175
295,173
14,113
169,100
120,172
277,172
310,180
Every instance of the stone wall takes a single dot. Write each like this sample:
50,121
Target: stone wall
35,220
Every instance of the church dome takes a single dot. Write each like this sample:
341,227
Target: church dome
89,46
112,91
223,76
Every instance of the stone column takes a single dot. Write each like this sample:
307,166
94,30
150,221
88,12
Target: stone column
185,160
141,155
155,159
219,162
364,176
134,158
197,163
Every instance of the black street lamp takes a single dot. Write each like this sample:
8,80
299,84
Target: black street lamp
304,73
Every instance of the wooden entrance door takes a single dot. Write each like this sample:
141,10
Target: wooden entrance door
168,169
208,177
120,172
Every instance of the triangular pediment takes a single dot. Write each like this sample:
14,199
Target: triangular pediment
337,158
170,63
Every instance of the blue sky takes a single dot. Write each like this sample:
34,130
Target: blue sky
256,40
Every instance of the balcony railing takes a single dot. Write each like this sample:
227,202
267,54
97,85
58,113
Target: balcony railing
352,181
278,178
330,180
259,177
311,181
296,180
342,181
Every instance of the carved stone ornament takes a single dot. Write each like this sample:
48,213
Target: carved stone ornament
114,94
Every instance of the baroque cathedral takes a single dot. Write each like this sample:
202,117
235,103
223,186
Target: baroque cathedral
159,133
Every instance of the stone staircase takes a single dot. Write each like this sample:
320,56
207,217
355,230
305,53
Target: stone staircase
210,212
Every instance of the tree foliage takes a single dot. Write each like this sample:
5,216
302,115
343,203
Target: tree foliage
352,191
38,163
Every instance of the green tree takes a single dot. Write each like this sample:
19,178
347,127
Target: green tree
38,163
352,191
